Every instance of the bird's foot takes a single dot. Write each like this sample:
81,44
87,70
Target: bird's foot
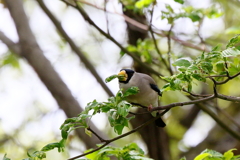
150,107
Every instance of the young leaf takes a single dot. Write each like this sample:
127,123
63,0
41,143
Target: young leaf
232,42
5,157
131,91
198,77
229,154
202,156
143,3
230,52
182,63
118,129
89,133
110,78
179,1
50,146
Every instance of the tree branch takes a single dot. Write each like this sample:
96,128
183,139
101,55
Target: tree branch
219,122
88,19
11,45
74,47
144,27
121,136
169,106
30,50
155,41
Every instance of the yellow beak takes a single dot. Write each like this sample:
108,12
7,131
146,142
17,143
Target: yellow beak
122,76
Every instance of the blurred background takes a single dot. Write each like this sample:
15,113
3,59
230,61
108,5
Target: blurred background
30,117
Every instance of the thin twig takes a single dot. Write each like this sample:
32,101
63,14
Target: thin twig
99,137
154,39
169,106
88,19
169,48
106,16
196,95
226,80
143,26
75,48
11,45
228,98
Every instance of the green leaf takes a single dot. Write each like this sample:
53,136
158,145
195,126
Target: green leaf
192,68
182,63
12,60
194,17
217,47
232,42
183,158
207,67
229,154
118,129
89,133
131,91
123,108
230,52
143,3
213,153
202,156
5,157
110,78
50,146
233,30
198,77
179,1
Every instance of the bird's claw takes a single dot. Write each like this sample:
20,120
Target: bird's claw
150,107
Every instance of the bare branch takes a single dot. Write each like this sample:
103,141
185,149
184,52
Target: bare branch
228,98
219,121
88,19
74,47
169,47
34,55
143,26
155,41
11,45
169,106
231,119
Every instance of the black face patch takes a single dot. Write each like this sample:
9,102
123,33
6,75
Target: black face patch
155,88
129,73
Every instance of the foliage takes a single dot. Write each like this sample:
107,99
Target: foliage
191,13
10,59
216,62
214,155
129,152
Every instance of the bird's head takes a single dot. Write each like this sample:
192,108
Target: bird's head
125,75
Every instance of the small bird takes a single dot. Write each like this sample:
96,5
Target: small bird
148,90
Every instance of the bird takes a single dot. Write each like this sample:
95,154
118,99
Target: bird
148,90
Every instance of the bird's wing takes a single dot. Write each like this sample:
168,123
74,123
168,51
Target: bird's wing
152,83
155,88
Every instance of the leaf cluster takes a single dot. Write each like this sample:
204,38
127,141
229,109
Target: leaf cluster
128,152
214,155
216,62
190,12
116,108
144,48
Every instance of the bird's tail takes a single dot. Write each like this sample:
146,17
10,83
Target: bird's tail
159,122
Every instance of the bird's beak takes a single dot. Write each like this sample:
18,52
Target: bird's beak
122,76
